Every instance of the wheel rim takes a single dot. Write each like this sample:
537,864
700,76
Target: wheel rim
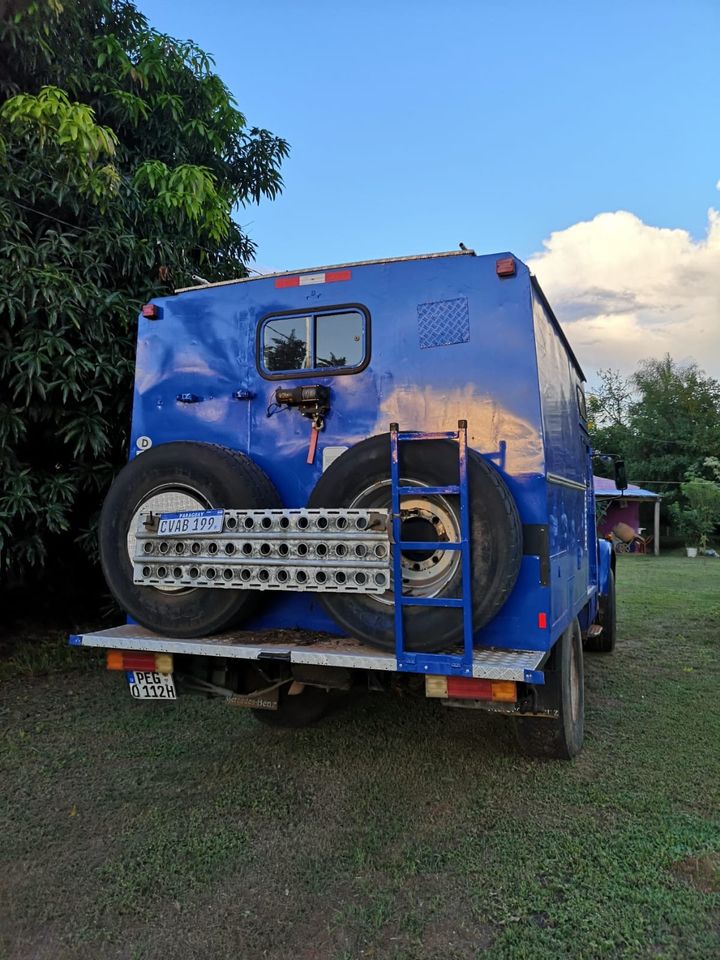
172,498
424,517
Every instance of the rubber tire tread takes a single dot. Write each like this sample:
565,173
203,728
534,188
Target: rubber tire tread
428,629
607,618
559,738
192,613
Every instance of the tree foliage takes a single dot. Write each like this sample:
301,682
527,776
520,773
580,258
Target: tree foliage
665,422
701,514
122,159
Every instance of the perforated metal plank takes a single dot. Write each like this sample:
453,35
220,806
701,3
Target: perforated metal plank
321,550
327,651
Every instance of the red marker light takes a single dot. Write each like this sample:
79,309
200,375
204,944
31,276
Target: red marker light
151,311
542,621
505,267
469,688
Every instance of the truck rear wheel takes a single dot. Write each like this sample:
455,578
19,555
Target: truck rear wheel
560,737
361,478
168,478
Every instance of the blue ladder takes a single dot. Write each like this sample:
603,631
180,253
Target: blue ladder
432,662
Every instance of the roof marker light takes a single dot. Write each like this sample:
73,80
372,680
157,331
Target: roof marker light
151,311
505,267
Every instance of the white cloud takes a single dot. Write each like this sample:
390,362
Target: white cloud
625,291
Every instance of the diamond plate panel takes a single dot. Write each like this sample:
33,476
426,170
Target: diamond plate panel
306,647
443,322
506,664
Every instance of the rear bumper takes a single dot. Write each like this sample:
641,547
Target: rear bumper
303,647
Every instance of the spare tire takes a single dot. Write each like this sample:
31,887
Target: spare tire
361,478
169,478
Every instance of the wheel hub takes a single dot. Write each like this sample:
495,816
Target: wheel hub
426,518
164,500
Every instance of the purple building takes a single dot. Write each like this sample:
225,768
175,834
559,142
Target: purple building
631,507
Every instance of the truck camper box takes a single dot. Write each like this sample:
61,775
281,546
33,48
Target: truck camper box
369,473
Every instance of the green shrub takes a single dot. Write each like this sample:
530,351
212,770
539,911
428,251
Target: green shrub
122,156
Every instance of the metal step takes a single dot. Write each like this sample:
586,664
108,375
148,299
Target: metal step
298,646
323,550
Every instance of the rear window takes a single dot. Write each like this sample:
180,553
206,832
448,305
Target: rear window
331,341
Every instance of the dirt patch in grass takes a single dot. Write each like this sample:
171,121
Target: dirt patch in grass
701,872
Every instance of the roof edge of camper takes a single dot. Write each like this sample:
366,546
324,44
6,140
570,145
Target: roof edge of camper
331,266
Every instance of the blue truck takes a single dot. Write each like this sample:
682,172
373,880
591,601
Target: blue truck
373,473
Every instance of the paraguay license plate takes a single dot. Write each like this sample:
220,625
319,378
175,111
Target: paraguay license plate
190,522
149,685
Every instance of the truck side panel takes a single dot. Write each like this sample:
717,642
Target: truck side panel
566,461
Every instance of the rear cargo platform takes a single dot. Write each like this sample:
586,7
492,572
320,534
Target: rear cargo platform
303,646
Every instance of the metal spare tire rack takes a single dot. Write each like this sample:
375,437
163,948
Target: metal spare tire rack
428,662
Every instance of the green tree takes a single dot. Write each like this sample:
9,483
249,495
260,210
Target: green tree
675,420
608,412
664,421
122,159
699,518
609,403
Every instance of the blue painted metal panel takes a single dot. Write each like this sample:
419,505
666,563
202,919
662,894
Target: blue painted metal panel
439,664
534,676
569,562
570,501
494,359
565,454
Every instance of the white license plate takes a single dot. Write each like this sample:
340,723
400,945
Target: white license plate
148,685
190,522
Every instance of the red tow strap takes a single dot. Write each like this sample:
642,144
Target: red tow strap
313,444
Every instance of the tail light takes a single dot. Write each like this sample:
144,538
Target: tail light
470,688
132,660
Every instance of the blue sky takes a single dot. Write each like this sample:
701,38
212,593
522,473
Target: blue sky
415,125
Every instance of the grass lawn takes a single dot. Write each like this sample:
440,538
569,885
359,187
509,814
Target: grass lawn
395,829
